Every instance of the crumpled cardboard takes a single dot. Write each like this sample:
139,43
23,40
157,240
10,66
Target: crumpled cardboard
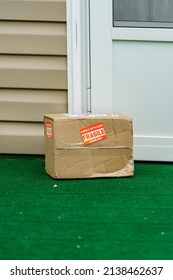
88,146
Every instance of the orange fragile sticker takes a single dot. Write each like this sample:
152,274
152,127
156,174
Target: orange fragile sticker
48,130
93,133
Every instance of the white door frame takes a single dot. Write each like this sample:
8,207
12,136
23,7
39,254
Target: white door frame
101,57
80,61
78,56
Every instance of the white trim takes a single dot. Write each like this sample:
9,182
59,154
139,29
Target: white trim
78,56
154,148
86,56
142,34
153,140
73,56
153,153
101,57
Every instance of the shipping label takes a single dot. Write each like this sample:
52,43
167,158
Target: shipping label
48,127
93,133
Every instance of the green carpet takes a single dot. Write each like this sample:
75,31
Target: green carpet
119,218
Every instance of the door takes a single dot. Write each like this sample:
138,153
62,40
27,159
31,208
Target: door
131,69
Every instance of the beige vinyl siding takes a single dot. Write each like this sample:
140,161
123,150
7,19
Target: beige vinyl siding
33,71
30,105
42,72
33,10
33,38
20,138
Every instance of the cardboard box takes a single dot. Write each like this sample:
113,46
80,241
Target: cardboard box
88,146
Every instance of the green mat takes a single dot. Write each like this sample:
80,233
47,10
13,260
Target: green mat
116,219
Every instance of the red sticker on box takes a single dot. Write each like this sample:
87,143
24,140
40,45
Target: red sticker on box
49,130
93,133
